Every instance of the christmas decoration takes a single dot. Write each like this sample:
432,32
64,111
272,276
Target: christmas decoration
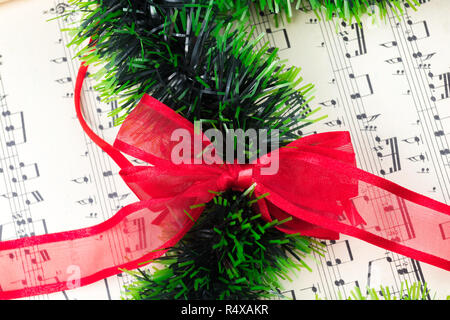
415,291
204,62
144,66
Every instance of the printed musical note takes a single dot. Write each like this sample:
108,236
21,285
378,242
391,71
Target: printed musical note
366,118
81,180
33,197
64,80
394,60
363,84
334,123
341,247
412,140
389,44
86,201
15,127
357,30
59,60
419,30
392,153
328,103
25,172
443,89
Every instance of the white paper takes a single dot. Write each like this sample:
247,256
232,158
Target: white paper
53,178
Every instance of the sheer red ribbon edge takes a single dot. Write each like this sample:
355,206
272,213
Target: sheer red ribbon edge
80,233
120,159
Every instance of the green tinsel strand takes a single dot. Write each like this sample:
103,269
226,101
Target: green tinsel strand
205,65
344,9
231,253
414,291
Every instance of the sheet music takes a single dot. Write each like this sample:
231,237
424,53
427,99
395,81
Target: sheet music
387,82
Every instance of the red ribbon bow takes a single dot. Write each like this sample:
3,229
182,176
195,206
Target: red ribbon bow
317,185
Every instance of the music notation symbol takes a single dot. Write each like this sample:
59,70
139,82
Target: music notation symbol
444,87
23,221
15,123
299,132
399,73
42,254
328,103
312,21
394,60
417,158
115,195
283,43
64,80
366,118
27,172
419,30
35,197
412,140
344,250
110,125
60,8
424,66
86,201
439,133
437,117
359,40
276,38
81,180
389,44
9,195
393,154
369,128
419,54
363,84
108,173
59,60
334,123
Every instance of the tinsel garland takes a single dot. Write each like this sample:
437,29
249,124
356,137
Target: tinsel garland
231,253
203,59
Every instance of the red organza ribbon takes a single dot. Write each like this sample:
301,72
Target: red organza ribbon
318,185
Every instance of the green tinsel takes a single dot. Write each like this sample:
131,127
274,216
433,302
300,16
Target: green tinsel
344,9
230,253
197,61
415,291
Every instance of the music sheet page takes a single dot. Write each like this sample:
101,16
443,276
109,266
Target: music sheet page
387,81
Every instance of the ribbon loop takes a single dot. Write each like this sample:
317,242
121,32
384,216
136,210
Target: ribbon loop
235,177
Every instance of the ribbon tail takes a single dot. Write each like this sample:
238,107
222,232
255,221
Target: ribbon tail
49,263
377,211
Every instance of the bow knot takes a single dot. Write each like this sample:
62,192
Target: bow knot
235,177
